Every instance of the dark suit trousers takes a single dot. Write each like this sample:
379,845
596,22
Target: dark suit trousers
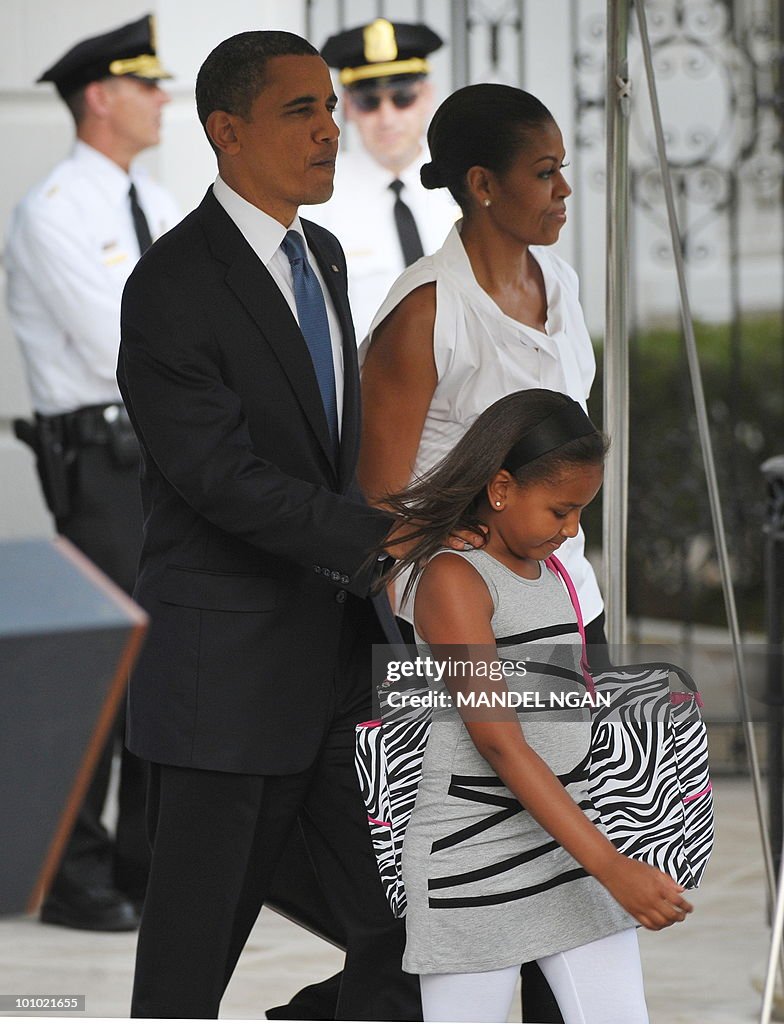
217,838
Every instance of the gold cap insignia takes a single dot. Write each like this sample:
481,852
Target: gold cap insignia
379,41
144,66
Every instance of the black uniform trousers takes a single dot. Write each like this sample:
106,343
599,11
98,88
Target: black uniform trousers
221,836
105,522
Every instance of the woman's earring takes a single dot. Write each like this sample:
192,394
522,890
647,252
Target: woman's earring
498,504
486,202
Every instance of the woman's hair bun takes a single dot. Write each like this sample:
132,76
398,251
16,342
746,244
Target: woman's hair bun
430,176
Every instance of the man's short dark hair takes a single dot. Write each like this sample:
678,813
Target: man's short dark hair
233,75
77,104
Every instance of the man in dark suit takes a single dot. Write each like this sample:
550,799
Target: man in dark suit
238,369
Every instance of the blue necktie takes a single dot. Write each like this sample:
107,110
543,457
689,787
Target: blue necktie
312,315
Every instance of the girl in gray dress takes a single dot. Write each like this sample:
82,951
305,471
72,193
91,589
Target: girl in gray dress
505,859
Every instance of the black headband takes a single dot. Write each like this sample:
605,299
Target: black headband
557,429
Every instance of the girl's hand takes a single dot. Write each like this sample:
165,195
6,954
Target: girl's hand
649,895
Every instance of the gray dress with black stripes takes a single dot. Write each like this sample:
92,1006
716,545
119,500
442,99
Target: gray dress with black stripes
487,886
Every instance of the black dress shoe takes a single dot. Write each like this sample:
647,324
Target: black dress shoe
97,910
314,1002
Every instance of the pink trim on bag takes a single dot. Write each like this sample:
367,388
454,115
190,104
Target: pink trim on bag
368,725
375,821
696,796
557,567
682,698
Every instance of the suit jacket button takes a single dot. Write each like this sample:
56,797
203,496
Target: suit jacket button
317,568
335,576
344,579
341,596
326,572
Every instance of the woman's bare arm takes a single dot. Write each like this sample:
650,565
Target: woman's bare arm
398,380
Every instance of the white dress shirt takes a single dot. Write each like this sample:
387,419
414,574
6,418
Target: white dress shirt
71,247
361,214
264,235
481,355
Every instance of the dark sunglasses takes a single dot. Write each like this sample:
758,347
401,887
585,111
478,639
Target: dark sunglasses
367,101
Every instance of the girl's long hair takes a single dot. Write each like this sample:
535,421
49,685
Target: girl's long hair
449,497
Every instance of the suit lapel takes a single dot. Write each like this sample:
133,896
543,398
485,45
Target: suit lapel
255,288
335,279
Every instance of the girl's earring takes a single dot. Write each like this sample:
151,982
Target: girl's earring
486,202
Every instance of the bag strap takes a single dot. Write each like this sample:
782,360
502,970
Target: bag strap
556,566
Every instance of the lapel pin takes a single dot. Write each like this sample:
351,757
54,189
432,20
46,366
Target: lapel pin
335,269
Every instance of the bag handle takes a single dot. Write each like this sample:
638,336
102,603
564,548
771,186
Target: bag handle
556,566
681,673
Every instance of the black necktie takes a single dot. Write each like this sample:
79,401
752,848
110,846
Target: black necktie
410,242
140,225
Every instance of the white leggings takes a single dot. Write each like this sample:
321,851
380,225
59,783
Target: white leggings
599,983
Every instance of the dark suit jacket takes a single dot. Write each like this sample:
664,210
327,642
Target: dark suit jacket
256,542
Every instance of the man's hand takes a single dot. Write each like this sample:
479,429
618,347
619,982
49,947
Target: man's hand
398,543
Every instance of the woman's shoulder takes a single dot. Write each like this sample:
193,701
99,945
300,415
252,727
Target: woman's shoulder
427,270
423,272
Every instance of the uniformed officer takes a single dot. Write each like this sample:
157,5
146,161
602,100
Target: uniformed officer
383,216
72,243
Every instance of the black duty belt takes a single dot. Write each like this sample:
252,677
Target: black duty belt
92,424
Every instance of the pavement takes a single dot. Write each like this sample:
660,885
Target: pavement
699,972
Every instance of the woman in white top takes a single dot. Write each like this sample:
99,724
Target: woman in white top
492,312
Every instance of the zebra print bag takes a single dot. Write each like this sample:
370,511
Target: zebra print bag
648,775
388,758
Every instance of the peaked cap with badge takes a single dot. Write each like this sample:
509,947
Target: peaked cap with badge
382,49
128,50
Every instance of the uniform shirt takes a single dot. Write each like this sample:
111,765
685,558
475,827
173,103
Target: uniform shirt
481,355
360,213
264,235
71,247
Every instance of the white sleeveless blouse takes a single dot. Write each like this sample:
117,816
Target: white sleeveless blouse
481,355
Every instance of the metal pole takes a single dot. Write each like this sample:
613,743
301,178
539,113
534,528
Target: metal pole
707,453
773,530
459,41
773,470
769,992
616,342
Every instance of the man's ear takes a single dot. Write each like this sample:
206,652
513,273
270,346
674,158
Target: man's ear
348,106
97,99
428,94
222,129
